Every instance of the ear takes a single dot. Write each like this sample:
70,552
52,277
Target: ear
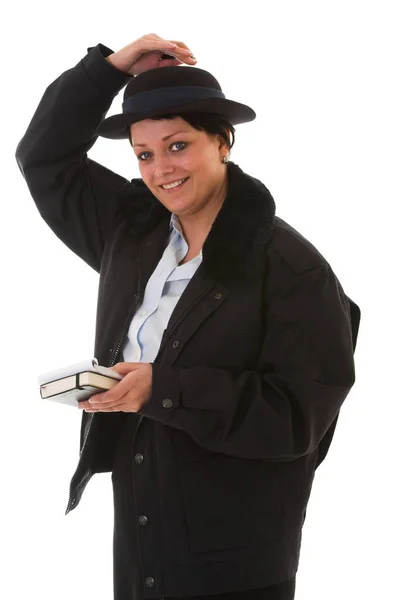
222,142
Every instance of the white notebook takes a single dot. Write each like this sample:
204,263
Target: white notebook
75,383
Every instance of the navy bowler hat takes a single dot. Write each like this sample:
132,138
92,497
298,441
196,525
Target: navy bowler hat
168,90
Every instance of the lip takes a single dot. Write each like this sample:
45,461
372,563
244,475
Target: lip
175,188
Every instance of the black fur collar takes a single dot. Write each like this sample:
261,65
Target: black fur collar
236,244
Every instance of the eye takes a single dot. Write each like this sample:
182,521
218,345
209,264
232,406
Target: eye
174,144
140,156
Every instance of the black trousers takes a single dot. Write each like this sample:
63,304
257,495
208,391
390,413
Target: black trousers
281,591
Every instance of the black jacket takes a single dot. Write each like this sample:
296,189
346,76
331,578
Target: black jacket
251,373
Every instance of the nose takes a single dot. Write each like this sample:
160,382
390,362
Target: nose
162,167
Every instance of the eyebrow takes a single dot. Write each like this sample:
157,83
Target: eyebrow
167,136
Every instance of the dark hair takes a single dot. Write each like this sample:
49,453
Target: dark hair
209,122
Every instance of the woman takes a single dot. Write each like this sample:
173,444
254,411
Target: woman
234,336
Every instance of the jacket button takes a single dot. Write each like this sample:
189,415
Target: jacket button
218,296
139,458
150,582
175,344
167,403
143,520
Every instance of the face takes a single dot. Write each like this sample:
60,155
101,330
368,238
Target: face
186,153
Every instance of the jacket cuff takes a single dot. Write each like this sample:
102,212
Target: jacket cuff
104,75
165,397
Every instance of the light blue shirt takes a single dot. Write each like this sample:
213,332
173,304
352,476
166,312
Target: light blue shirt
162,293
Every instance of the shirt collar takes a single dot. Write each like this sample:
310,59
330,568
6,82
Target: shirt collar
174,223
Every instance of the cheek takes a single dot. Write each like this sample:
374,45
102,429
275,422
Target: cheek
146,175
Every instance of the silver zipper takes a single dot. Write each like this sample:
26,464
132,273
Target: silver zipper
111,364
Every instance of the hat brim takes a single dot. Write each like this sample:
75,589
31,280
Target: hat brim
117,127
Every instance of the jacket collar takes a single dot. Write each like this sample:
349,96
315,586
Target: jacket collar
236,244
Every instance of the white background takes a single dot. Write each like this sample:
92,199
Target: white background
323,80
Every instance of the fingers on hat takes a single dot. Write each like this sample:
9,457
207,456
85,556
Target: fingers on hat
180,44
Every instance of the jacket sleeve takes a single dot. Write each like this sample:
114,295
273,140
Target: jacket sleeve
76,196
281,411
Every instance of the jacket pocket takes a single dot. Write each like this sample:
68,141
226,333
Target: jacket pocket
230,502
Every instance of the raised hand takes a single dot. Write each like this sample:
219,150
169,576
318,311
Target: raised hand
147,52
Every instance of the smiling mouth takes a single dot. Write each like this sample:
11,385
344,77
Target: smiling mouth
177,187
